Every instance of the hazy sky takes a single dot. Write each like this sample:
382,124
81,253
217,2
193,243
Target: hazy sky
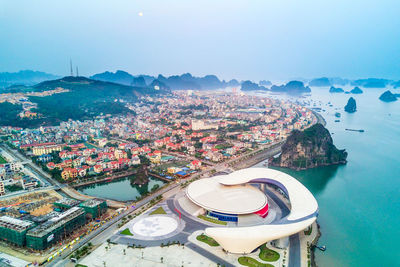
266,39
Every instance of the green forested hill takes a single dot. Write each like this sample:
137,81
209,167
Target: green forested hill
86,98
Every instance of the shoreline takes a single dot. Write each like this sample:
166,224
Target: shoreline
320,119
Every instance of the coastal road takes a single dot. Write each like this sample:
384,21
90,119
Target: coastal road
294,251
294,240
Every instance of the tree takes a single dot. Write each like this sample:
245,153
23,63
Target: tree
144,160
198,145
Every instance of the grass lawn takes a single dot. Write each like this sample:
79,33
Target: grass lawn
208,219
2,160
126,232
267,254
223,146
159,210
88,145
208,240
163,167
248,261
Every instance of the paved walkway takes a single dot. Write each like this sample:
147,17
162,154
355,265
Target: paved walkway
294,241
180,235
294,252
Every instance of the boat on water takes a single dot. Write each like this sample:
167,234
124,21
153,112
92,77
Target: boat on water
322,248
355,130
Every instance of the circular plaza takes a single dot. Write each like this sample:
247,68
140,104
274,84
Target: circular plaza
154,226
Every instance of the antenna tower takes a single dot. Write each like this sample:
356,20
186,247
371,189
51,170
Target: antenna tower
70,64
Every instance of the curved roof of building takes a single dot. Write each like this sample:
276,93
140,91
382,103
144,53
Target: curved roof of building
212,195
302,201
304,211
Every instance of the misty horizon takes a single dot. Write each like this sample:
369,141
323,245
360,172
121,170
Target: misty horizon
243,40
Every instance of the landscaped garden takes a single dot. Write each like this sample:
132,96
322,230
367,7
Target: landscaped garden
126,232
162,168
208,219
248,261
159,210
267,254
223,146
2,160
208,240
83,251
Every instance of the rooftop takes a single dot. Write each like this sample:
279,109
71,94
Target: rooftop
236,199
15,224
302,201
68,201
92,203
55,222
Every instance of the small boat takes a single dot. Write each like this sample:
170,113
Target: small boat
322,248
355,130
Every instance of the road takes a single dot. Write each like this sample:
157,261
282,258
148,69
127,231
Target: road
294,240
107,230
33,166
104,232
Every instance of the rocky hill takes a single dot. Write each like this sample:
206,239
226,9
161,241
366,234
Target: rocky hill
85,99
292,87
388,96
265,83
185,81
371,83
335,90
120,76
310,148
23,77
356,90
320,82
250,86
351,106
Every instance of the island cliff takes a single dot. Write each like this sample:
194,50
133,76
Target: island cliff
351,106
310,148
388,96
335,90
292,87
356,90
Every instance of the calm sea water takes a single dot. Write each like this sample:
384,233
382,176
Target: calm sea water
359,202
120,190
